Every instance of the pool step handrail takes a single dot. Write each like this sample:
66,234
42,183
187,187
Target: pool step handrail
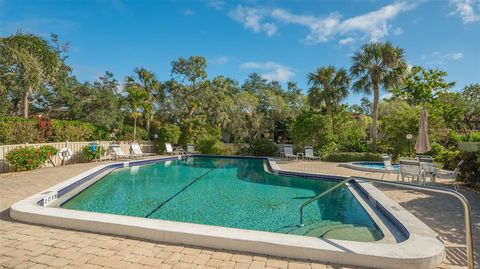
343,182
456,194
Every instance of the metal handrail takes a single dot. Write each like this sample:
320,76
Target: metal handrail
456,194
320,196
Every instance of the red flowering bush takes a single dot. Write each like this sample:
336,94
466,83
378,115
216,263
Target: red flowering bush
29,158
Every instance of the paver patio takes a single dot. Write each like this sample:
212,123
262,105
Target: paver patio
24,245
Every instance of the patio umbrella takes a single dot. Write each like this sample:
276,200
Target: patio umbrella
423,144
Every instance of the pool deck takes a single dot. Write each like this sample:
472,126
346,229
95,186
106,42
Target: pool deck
32,246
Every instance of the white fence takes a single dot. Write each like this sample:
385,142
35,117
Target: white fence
75,147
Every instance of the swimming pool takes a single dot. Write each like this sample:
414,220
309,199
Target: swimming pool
244,204
371,166
236,193
375,165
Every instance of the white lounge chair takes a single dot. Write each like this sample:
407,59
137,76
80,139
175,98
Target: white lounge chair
191,149
137,151
288,152
309,154
118,153
173,151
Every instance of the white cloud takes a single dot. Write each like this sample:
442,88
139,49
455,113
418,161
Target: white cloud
441,58
398,31
220,60
272,71
188,12
372,24
468,10
346,41
252,18
216,4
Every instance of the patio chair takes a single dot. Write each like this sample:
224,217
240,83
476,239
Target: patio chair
410,169
288,152
452,175
173,151
428,171
387,162
117,152
136,151
191,149
309,154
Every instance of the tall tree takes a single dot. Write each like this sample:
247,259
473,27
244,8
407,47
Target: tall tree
31,59
136,99
153,88
329,85
423,86
471,95
374,66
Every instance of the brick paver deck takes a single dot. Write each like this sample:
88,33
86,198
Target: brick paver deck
24,245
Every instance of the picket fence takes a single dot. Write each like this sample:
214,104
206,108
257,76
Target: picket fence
75,147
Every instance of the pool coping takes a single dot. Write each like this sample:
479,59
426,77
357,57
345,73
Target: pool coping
355,166
423,248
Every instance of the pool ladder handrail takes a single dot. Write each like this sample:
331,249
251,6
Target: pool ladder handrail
456,194
320,196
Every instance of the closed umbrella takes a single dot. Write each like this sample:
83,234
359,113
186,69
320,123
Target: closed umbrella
423,144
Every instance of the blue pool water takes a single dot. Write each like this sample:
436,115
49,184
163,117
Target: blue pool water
228,192
378,165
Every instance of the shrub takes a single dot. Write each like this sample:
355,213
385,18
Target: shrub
126,133
472,137
16,130
45,127
28,158
92,152
73,131
312,128
352,157
208,144
470,169
448,157
263,147
168,133
243,150
454,137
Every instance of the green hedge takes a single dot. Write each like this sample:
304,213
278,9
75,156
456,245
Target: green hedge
470,169
208,144
352,157
126,134
16,130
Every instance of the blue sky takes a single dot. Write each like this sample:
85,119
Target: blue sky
282,40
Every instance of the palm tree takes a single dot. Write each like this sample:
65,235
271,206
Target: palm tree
29,58
377,65
137,101
328,85
147,81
